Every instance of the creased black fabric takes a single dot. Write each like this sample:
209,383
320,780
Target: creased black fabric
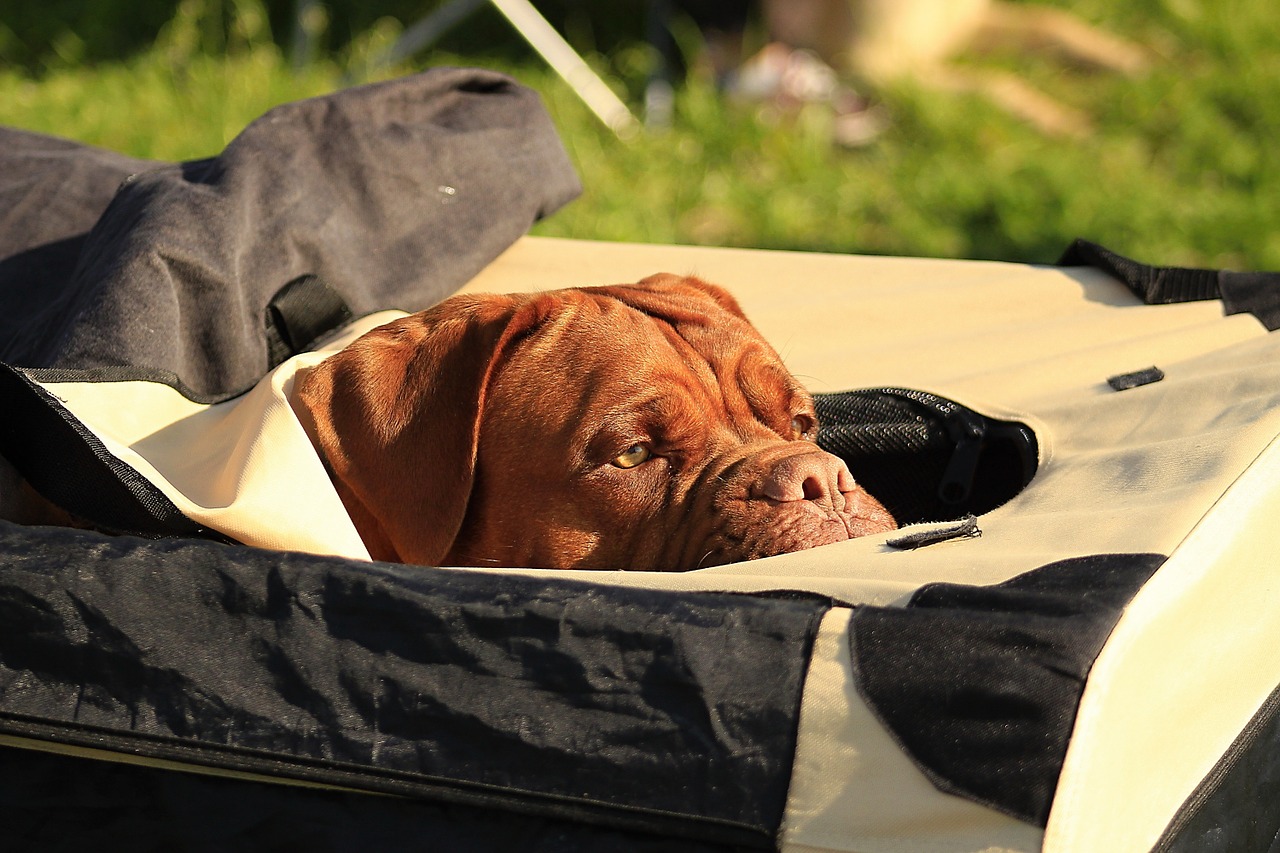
60,803
637,709
1256,293
52,191
394,194
980,684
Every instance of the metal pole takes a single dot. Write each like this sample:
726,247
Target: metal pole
598,97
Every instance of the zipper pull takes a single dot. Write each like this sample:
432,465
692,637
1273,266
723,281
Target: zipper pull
968,434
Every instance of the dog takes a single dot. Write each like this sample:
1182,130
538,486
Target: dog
882,41
639,427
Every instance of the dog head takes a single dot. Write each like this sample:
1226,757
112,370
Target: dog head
643,426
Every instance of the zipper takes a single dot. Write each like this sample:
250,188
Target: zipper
967,430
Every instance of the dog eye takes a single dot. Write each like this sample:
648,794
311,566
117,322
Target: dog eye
802,425
633,456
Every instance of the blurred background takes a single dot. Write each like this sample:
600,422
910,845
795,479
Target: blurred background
1170,163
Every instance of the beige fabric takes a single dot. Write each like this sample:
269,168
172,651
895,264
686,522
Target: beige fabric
1186,668
12,741
854,789
1141,470
244,467
1131,471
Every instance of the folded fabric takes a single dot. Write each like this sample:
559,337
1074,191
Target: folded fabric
393,195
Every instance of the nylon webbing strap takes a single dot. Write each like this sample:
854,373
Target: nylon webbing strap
1154,285
1256,293
303,311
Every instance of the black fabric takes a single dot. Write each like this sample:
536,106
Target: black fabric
1153,285
926,458
55,803
69,466
1237,806
394,194
302,313
1135,379
1256,293
52,191
980,684
635,709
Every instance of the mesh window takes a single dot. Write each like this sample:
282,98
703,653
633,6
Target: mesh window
926,458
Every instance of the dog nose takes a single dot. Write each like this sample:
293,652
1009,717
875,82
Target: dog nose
816,476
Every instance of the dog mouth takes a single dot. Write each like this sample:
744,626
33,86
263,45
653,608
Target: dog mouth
784,527
777,500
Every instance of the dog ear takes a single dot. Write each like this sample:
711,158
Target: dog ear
668,296
396,417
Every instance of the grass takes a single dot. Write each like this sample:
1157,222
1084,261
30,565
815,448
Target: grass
1179,169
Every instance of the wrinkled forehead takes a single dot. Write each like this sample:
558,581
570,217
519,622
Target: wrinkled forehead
604,336
599,332
600,355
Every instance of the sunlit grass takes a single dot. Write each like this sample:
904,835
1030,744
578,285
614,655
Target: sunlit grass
1179,170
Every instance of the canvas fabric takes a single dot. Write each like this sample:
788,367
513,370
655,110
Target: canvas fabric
243,467
389,195
1180,467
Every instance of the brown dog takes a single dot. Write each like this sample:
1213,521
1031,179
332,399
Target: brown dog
643,426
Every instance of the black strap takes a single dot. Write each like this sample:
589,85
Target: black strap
1256,293
1153,285
303,311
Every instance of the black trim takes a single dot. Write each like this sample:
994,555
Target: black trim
62,802
980,684
70,467
295,769
121,373
1153,285
1237,805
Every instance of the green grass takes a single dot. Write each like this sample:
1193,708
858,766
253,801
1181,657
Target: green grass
1179,170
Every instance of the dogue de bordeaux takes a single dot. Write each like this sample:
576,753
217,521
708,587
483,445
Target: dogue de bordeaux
643,427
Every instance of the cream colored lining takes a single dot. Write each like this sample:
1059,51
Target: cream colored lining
244,467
